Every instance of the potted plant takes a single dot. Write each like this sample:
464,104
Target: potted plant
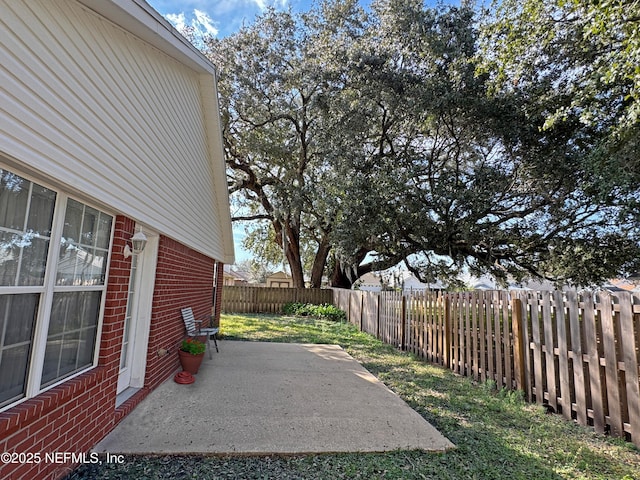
191,354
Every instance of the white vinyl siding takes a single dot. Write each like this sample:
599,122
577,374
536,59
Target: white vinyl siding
111,117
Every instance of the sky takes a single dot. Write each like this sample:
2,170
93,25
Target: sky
220,18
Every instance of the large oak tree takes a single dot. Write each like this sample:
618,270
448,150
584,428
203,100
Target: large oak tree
359,135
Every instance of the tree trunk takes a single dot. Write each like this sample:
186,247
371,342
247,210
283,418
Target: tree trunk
339,279
319,262
293,256
344,276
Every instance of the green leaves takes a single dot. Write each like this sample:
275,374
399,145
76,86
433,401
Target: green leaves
504,144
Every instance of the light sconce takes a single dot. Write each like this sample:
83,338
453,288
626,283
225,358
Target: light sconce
138,242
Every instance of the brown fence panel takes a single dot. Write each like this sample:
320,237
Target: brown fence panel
370,313
412,322
630,324
391,320
548,348
574,353
576,357
355,308
609,335
564,393
489,335
497,339
483,361
593,353
507,340
249,299
341,298
468,328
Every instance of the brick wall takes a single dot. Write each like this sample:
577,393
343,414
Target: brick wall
184,278
74,416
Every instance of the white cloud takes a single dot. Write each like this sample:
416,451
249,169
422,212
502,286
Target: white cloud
177,20
214,18
204,23
201,22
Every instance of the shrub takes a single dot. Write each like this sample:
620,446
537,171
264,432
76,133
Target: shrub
292,308
325,310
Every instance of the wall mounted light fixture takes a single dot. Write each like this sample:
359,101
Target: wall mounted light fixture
138,242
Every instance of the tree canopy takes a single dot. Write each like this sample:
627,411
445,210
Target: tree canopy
501,143
577,62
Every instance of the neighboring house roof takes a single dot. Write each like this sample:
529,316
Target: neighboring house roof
127,116
237,276
369,282
279,275
622,284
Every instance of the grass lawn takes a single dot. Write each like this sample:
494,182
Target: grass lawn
497,435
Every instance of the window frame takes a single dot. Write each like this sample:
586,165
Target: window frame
49,288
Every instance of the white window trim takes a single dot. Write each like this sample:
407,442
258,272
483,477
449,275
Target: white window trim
48,288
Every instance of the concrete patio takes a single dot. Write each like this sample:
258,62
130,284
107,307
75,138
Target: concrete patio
273,398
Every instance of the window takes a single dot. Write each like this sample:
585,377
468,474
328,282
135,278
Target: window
26,215
50,302
17,321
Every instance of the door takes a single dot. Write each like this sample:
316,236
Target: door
135,336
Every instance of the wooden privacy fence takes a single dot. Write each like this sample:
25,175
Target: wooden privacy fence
577,353
246,299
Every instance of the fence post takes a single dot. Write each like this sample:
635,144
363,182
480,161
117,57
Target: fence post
446,354
403,323
518,343
378,316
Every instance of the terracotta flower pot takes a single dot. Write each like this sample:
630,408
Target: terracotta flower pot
190,363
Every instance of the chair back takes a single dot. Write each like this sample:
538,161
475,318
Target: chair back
189,320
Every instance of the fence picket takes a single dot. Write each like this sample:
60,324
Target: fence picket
563,356
576,357
534,308
496,340
473,300
611,364
518,344
440,323
455,331
630,358
484,354
549,353
592,335
507,342
467,331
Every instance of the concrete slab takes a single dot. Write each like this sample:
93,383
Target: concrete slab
274,398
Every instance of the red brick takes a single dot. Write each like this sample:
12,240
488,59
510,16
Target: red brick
77,414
